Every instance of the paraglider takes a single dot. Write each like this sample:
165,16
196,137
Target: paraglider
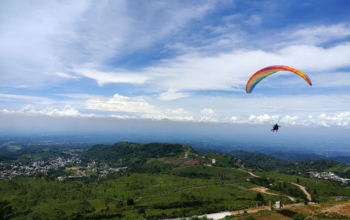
261,74
275,128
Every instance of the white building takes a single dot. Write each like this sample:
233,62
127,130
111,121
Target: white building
278,205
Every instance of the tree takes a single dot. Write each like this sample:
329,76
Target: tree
259,197
130,201
297,180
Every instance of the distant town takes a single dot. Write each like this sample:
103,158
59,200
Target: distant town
329,176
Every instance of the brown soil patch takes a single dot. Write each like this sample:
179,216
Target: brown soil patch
191,162
270,216
343,209
181,161
251,210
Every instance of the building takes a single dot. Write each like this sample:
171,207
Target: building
278,205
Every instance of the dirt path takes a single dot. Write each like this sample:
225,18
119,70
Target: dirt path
252,174
264,190
308,195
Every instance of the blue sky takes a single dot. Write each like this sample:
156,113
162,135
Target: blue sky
184,61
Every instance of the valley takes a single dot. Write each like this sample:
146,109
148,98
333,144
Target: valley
156,181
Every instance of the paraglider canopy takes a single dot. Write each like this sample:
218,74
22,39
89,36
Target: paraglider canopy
261,74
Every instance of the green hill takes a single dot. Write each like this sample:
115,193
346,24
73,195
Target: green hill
127,153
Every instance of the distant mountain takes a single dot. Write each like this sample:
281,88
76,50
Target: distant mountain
294,156
263,161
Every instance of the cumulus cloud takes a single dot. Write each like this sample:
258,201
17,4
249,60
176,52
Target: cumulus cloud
208,111
67,111
121,104
209,115
338,120
323,120
262,119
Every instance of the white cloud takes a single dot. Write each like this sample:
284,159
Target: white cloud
113,77
178,111
172,94
230,71
121,104
40,39
208,111
25,98
338,120
65,75
81,96
168,117
323,120
317,34
262,119
209,115
67,111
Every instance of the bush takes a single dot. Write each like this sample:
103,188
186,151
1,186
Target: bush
299,216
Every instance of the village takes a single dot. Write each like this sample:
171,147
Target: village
329,176
35,167
9,170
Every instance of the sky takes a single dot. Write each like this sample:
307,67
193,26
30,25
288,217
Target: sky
143,62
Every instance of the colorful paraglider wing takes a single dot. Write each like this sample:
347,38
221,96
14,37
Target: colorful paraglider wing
261,74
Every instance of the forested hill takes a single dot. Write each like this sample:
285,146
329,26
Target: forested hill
127,152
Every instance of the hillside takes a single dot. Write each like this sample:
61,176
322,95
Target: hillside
256,160
127,153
